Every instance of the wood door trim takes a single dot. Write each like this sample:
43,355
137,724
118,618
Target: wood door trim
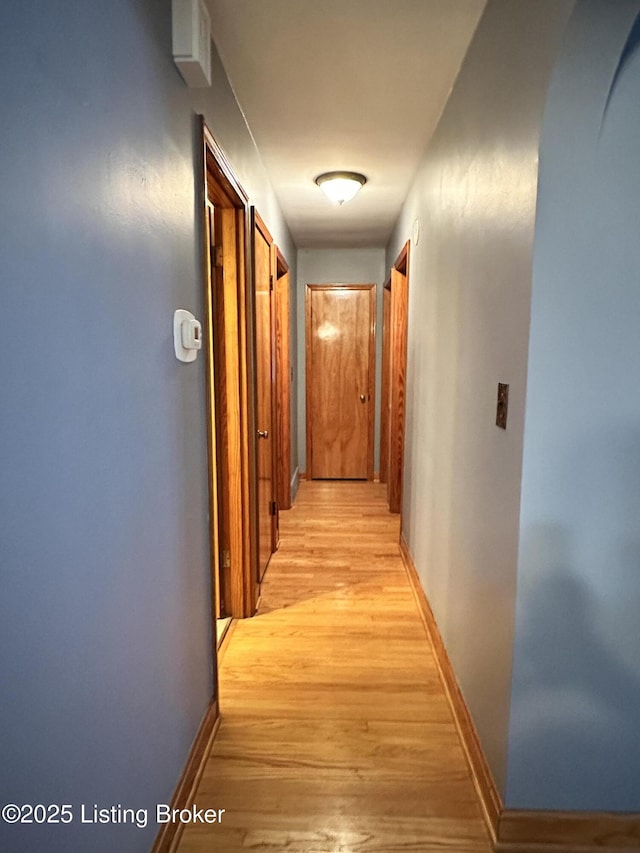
384,384
259,223
258,226
372,381
222,169
342,286
212,456
309,289
281,261
247,401
402,261
283,380
221,188
398,322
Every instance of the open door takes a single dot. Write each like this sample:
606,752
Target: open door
219,533
227,336
284,379
394,368
265,393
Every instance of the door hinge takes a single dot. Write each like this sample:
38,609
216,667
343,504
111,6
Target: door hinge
225,560
273,508
270,282
217,256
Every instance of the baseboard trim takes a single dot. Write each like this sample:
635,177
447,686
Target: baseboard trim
168,837
570,832
513,830
490,801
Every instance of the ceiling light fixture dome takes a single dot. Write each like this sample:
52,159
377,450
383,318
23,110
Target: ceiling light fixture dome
340,186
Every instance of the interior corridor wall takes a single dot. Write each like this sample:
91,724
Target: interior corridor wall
105,628
337,266
574,740
469,297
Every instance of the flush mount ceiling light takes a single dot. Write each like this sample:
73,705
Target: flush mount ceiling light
340,186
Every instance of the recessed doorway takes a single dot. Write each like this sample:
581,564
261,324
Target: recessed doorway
340,377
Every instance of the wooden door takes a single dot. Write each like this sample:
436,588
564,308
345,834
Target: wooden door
340,340
227,331
280,304
218,509
265,422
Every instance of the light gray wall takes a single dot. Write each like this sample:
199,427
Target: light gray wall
337,266
469,294
574,739
105,600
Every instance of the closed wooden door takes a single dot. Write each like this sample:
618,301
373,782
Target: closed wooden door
264,407
340,380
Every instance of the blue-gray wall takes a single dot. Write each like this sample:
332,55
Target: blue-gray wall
574,740
469,295
104,583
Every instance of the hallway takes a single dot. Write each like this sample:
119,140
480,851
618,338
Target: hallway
336,735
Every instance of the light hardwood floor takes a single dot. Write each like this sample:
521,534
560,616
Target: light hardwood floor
336,736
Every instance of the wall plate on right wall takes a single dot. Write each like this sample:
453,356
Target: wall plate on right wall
503,405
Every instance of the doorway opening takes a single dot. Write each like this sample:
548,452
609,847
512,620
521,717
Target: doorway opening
340,380
228,336
394,368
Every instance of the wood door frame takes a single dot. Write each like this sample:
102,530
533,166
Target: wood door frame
384,382
398,329
258,224
309,289
229,354
281,291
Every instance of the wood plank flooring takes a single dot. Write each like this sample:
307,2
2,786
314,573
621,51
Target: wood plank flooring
336,736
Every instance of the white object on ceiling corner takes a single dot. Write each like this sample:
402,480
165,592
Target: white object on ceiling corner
191,31
187,335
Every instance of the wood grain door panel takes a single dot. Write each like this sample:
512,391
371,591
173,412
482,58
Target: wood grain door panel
283,382
340,372
264,407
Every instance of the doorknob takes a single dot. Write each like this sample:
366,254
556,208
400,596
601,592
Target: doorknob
362,398
263,433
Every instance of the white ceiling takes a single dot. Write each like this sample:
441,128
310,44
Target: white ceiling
342,84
